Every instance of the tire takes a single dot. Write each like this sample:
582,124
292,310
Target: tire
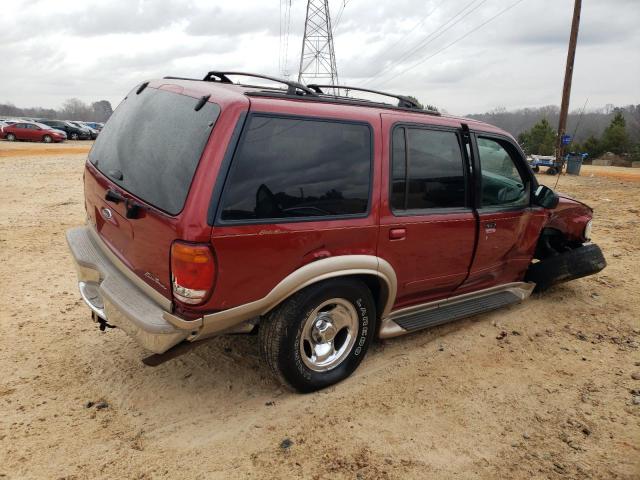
47,139
536,169
580,262
294,332
74,136
552,171
11,137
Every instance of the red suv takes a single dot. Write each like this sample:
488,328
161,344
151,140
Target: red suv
36,132
320,220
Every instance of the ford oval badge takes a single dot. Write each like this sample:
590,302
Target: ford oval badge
106,213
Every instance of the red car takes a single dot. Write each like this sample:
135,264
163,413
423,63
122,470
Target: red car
31,131
321,220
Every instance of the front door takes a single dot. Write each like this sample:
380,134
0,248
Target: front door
427,225
508,223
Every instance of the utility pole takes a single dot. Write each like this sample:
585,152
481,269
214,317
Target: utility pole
568,76
318,59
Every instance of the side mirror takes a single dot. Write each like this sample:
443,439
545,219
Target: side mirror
545,197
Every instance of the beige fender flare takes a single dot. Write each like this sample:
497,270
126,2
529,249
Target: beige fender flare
309,274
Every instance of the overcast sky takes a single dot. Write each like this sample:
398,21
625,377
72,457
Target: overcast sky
97,49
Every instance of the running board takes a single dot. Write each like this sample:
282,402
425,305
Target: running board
454,308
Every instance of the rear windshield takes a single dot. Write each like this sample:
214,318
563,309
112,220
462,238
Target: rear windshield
152,144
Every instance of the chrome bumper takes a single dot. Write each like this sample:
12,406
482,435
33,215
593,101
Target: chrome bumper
115,298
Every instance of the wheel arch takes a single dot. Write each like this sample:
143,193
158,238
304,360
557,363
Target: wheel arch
376,273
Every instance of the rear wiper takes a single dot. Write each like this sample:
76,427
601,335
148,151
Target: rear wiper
115,174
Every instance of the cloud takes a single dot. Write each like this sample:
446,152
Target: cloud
94,49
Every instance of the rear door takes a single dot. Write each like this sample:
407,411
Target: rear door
299,189
508,222
21,131
139,173
427,225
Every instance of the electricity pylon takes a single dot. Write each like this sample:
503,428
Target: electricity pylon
318,59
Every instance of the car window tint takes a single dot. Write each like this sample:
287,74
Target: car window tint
154,141
399,169
502,183
288,168
435,171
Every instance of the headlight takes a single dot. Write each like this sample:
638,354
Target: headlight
587,230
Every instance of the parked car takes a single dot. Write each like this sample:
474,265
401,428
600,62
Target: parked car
95,125
73,132
81,125
322,221
35,132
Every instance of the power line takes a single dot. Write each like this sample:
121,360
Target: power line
385,51
502,12
437,33
339,15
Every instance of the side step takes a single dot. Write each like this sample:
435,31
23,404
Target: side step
453,308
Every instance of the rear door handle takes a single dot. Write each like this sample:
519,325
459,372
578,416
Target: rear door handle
397,234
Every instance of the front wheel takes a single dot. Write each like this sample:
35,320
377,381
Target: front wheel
320,335
536,169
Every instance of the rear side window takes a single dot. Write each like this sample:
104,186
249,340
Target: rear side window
292,168
427,170
152,144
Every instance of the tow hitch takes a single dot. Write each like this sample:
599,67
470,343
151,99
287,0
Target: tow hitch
102,323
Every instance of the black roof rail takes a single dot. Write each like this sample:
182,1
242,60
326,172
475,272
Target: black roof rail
293,87
359,102
403,101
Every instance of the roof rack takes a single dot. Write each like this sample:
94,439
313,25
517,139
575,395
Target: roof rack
314,92
293,87
403,101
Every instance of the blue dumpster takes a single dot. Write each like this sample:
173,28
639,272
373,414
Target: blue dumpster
574,162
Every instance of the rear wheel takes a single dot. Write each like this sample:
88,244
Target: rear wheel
47,139
11,137
320,335
74,136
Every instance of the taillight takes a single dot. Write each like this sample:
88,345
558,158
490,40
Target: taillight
193,272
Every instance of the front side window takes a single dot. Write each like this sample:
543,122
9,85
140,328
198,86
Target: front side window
502,183
427,170
288,168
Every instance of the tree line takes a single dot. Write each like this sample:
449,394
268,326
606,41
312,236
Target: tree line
72,109
611,129
541,140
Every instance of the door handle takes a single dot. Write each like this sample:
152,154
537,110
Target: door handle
397,234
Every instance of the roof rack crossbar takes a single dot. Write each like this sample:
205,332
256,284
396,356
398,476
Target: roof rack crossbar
292,87
403,101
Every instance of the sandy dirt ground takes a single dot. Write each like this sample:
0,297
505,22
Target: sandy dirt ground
543,389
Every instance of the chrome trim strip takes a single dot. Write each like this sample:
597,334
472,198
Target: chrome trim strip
309,274
157,297
389,328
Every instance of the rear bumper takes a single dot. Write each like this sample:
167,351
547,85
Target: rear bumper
115,298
